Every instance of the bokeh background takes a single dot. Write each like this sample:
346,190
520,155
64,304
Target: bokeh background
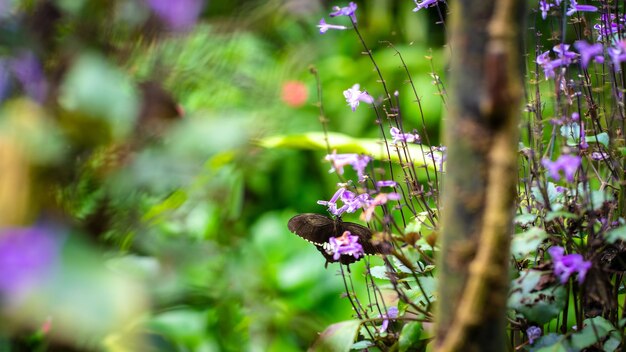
139,210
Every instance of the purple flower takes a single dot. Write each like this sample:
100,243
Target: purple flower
567,163
565,58
345,244
439,159
533,333
345,11
386,184
583,138
29,72
588,52
574,7
354,96
324,27
26,257
566,265
399,138
357,161
599,156
178,15
544,7
351,202
424,4
392,313
380,199
617,54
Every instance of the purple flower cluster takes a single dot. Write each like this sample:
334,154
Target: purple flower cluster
26,69
351,202
399,138
357,161
567,265
564,58
26,257
574,6
424,4
338,11
617,54
345,244
439,158
178,15
589,52
392,313
345,11
354,96
609,26
380,199
533,333
569,164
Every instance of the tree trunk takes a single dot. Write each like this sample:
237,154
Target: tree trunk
480,183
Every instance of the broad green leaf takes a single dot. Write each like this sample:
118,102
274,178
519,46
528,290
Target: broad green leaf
536,305
346,144
337,337
525,219
379,272
410,336
617,234
602,138
560,214
527,242
593,331
551,343
428,286
362,345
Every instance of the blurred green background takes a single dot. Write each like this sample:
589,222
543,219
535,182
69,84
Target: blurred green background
130,135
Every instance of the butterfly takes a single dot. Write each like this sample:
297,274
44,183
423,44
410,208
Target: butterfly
319,229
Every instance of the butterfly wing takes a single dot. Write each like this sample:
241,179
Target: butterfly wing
315,228
365,239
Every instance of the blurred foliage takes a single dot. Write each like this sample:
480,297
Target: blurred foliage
143,153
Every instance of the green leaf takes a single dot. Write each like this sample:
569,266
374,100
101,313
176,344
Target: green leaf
617,234
410,336
337,337
560,214
379,272
538,305
362,345
602,138
346,144
525,219
428,286
527,242
551,343
593,331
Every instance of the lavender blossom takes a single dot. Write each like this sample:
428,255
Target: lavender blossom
380,199
345,11
567,163
544,7
588,52
392,313
178,15
29,72
386,184
533,333
599,156
424,4
357,161
346,244
574,7
354,96
617,54
324,27
399,138
567,265
351,202
26,257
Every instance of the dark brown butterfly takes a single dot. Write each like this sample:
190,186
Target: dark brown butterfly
318,229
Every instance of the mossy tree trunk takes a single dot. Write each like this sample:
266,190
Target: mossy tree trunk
480,181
